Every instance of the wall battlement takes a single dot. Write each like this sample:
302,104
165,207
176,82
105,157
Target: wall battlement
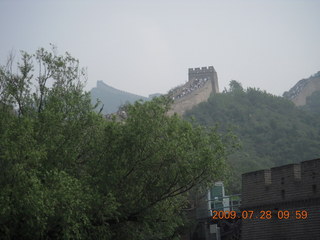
205,73
293,189
281,184
202,70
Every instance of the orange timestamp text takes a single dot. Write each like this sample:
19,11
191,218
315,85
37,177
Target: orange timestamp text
261,214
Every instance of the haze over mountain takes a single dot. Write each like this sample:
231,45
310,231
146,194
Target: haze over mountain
304,93
113,98
271,130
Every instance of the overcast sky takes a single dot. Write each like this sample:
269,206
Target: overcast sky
146,47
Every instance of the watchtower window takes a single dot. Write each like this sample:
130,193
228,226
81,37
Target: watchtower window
282,180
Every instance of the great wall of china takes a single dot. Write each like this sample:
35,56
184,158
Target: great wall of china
292,189
304,88
201,83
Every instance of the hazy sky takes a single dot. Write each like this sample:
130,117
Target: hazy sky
146,47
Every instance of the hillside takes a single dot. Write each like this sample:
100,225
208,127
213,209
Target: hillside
272,131
112,98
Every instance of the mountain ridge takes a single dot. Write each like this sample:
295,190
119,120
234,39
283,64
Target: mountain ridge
112,98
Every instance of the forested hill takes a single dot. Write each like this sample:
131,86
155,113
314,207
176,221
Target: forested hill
272,130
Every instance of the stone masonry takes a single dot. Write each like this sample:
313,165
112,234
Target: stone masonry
304,88
291,188
201,83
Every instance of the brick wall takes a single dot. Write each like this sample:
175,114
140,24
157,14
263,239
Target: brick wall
292,188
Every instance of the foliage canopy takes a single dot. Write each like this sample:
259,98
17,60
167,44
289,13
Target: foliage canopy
68,173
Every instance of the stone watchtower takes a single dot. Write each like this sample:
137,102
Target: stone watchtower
205,73
201,83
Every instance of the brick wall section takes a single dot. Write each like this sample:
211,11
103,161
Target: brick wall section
185,103
205,72
290,188
258,183
312,86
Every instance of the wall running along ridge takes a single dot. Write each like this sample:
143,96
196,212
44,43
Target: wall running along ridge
304,88
202,82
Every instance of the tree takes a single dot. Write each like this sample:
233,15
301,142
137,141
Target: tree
150,162
42,133
235,86
69,173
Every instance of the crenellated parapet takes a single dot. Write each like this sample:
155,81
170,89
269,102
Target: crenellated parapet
286,183
206,73
201,70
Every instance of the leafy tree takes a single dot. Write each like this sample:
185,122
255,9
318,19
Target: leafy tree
235,87
42,132
67,173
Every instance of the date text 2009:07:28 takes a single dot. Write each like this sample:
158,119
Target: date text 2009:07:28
263,214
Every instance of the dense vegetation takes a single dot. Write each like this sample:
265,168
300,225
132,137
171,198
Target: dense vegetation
67,173
270,129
